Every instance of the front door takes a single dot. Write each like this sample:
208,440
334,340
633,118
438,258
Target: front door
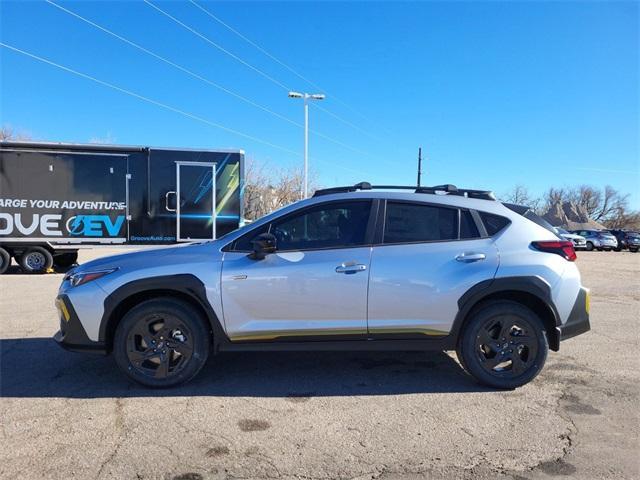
315,285
196,201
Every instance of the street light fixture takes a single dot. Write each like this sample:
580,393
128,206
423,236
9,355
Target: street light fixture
306,97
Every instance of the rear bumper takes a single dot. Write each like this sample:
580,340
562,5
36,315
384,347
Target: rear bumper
578,321
72,335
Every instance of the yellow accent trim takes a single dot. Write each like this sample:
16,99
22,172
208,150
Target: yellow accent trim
293,333
423,331
63,309
306,333
587,302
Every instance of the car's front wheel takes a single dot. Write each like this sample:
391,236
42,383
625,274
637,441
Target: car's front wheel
589,246
162,342
503,345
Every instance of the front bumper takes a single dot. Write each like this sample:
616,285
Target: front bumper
578,321
72,335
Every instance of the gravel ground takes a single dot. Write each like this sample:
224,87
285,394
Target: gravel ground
323,415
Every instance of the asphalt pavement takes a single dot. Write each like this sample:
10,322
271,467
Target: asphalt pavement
323,415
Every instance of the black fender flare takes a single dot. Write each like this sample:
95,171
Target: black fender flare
532,285
184,285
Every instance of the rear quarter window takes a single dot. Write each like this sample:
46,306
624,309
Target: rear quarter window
493,223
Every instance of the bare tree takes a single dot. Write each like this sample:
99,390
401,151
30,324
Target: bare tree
588,197
520,195
268,189
7,132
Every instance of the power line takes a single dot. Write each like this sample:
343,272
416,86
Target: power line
222,49
200,77
147,99
288,67
346,122
247,64
179,67
162,105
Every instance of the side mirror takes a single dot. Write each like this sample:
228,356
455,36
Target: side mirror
263,244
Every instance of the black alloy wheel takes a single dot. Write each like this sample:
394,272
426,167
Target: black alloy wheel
503,344
159,346
162,342
506,346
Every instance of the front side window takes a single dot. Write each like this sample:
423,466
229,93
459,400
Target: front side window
243,244
409,223
332,225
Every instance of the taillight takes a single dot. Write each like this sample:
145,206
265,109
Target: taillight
563,248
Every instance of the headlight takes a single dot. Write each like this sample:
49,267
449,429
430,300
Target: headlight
77,279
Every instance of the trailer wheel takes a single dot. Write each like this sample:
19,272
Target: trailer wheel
36,260
65,260
5,260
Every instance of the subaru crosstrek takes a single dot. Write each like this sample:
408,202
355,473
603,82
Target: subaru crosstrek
353,268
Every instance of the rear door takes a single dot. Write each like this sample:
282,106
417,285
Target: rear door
428,257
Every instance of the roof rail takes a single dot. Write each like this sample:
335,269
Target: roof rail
448,189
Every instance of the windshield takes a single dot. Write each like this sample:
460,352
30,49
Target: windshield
562,231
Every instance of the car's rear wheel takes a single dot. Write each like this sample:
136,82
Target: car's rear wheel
503,345
589,246
162,343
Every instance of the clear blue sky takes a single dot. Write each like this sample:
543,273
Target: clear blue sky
497,93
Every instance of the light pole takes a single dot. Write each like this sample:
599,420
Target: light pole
306,97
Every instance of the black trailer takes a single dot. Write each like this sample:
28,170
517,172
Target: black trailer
58,197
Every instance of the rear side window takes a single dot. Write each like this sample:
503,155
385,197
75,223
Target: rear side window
468,228
493,223
407,223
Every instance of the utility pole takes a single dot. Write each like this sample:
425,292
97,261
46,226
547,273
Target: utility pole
419,165
306,97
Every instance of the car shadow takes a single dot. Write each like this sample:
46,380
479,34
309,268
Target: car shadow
37,367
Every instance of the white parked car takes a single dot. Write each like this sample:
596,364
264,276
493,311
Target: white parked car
579,242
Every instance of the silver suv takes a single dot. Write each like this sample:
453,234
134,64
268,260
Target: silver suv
598,239
353,268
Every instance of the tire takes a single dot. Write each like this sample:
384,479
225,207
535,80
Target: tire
36,260
600,249
498,363
66,260
634,250
589,246
158,365
5,260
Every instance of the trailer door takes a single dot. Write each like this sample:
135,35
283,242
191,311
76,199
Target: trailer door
196,205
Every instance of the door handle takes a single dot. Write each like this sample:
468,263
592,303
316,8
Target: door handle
166,201
470,257
350,267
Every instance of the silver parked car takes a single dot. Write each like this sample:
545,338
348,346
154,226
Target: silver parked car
598,239
579,242
353,268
